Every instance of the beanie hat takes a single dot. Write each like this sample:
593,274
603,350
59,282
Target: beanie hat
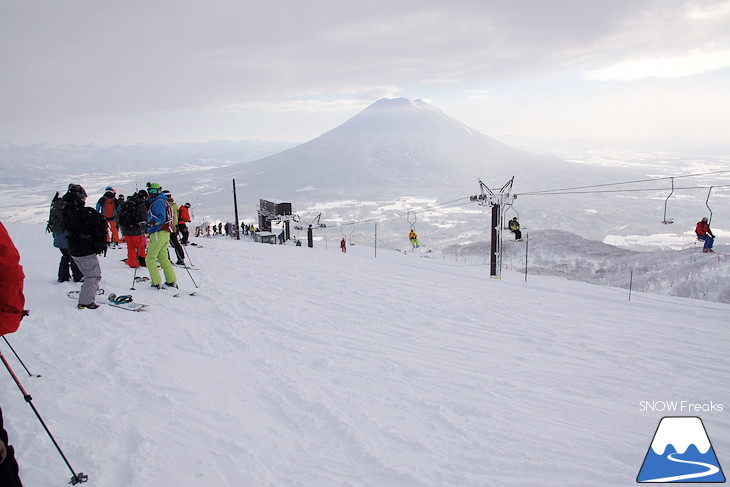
142,193
76,191
109,188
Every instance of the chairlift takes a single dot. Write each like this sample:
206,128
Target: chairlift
414,219
671,220
510,207
707,204
347,237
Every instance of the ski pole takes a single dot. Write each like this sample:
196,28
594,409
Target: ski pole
191,277
187,254
19,360
139,247
77,477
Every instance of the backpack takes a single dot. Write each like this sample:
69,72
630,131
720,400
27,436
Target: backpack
128,215
109,208
55,217
96,228
169,225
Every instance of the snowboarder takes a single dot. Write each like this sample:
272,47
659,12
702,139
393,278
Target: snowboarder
705,234
413,237
343,245
67,267
87,238
159,227
514,227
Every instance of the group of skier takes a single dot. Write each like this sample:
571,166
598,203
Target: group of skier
149,221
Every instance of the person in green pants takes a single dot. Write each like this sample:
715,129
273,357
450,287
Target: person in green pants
160,223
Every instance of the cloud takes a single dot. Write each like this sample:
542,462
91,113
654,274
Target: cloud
688,64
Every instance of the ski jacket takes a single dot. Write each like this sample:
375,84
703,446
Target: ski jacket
703,229
11,284
108,206
184,215
514,225
87,229
412,235
157,215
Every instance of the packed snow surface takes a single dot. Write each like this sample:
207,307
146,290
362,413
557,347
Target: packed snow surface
298,366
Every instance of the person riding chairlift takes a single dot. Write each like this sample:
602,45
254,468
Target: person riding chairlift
705,234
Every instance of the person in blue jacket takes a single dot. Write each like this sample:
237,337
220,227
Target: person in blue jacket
160,224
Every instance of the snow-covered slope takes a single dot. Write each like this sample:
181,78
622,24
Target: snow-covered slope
309,367
686,273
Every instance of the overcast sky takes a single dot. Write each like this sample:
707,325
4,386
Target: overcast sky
94,71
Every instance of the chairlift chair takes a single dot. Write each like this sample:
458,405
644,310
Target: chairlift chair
671,220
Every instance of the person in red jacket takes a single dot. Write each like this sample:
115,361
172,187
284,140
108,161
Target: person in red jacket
11,285
704,233
11,313
183,220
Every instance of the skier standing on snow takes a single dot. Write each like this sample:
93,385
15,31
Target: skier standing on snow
705,234
182,223
159,227
133,221
87,238
107,206
179,252
11,313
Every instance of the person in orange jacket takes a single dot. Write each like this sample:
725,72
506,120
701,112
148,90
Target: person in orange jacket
705,234
413,238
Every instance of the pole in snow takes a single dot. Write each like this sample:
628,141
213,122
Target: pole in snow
235,209
77,478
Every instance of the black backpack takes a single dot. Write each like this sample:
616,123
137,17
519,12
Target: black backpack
128,215
55,217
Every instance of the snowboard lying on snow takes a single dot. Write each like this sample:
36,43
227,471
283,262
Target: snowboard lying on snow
123,302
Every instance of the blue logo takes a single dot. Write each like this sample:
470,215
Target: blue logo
680,452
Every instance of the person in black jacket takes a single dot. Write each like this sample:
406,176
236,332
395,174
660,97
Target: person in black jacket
132,221
86,239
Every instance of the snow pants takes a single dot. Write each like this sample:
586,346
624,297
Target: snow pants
136,247
178,248
709,241
67,267
157,252
89,266
114,231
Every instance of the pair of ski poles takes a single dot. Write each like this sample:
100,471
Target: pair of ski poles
77,478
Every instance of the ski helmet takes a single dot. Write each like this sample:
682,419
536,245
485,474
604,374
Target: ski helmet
154,189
